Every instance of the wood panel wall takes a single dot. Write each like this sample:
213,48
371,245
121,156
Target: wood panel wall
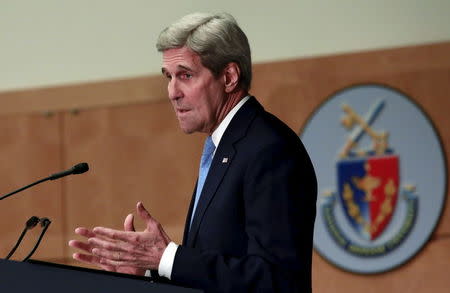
29,148
127,131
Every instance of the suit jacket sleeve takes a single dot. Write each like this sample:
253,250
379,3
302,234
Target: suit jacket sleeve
278,196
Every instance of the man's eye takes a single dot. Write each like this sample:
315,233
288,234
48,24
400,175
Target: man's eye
186,76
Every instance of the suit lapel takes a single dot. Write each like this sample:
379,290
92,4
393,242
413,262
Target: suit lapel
188,217
223,158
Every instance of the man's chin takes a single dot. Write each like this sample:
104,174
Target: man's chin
189,128
186,130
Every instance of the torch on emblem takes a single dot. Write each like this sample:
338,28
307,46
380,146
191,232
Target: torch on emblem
368,186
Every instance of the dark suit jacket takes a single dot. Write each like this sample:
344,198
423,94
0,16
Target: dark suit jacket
253,226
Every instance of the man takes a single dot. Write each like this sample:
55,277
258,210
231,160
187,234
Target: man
250,223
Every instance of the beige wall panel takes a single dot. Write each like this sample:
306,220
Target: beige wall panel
427,272
136,153
85,95
29,151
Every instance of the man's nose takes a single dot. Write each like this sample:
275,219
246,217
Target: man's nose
174,90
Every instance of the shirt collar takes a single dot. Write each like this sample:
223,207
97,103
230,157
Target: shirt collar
220,130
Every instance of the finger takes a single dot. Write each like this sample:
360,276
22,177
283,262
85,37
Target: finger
93,260
106,244
140,263
80,245
128,224
84,232
112,263
121,263
120,256
126,236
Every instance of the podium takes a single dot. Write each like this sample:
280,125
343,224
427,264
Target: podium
38,276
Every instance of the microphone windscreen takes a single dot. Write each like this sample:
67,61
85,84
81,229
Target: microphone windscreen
44,221
32,222
80,168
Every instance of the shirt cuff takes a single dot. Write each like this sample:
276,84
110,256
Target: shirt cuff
167,259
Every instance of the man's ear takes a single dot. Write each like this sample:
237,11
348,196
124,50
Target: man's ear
232,74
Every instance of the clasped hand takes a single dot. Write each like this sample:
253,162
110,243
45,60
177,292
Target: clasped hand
125,251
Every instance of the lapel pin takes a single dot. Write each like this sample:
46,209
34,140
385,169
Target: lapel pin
225,160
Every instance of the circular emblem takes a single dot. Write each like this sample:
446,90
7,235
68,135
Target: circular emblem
381,175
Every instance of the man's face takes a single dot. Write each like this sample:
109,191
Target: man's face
196,95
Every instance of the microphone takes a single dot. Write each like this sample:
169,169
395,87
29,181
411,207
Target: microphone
77,169
45,222
30,224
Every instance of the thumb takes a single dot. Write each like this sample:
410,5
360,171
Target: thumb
143,213
128,224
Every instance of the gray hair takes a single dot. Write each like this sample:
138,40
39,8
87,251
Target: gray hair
216,38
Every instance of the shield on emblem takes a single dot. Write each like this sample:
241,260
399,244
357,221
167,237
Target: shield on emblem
368,191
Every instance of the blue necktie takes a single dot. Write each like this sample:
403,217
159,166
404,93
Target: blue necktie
205,163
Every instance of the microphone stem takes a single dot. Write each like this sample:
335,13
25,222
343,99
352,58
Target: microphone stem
17,243
38,242
23,188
